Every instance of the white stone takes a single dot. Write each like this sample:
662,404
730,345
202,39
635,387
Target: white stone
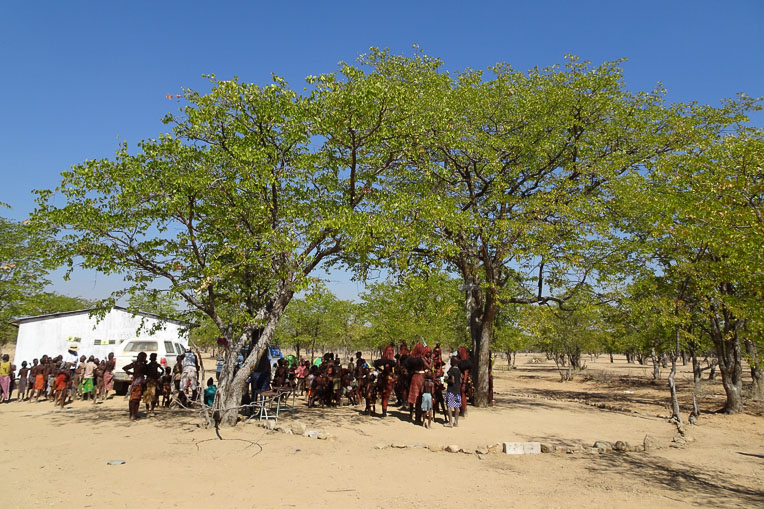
522,447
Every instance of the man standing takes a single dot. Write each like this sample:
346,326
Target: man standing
453,393
189,376
71,355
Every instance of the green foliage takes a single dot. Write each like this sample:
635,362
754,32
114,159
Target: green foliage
253,189
535,187
414,310
511,332
567,334
319,321
23,271
155,302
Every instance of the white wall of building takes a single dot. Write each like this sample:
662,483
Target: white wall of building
52,334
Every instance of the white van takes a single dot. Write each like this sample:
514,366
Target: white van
128,352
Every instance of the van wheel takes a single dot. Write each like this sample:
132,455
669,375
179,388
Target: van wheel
121,388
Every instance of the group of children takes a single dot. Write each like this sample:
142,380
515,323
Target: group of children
418,379
66,378
62,378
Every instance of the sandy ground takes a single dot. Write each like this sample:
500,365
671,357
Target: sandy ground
55,457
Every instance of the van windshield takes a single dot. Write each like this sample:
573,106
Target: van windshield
141,346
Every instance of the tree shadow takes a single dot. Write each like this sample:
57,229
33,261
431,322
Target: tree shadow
98,414
700,487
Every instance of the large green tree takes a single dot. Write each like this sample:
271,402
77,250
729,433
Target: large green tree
252,190
510,180
697,217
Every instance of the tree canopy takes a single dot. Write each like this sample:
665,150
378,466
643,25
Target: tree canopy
522,183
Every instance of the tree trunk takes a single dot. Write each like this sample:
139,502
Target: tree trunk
656,366
672,385
696,371
482,357
231,386
731,368
757,389
611,357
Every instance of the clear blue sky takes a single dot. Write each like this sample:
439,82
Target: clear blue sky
78,77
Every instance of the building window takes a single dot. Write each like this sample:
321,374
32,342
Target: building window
105,342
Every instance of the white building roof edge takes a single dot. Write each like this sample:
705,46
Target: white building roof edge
26,319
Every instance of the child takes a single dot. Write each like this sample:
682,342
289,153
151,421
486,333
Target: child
427,388
166,387
209,392
301,372
61,386
23,374
370,391
311,376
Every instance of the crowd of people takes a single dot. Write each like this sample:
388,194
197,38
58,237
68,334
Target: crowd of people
66,378
420,379
177,386
59,379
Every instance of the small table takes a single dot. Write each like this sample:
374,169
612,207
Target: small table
284,393
267,398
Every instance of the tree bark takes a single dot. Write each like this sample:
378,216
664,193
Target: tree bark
672,384
232,386
656,366
730,366
757,389
696,371
483,355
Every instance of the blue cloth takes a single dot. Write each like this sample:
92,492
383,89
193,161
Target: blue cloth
209,395
453,400
259,382
426,402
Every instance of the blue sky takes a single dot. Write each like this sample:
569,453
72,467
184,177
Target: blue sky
79,77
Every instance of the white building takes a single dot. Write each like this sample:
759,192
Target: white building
52,334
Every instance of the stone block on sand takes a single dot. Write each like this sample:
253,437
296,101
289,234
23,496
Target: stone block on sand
522,448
